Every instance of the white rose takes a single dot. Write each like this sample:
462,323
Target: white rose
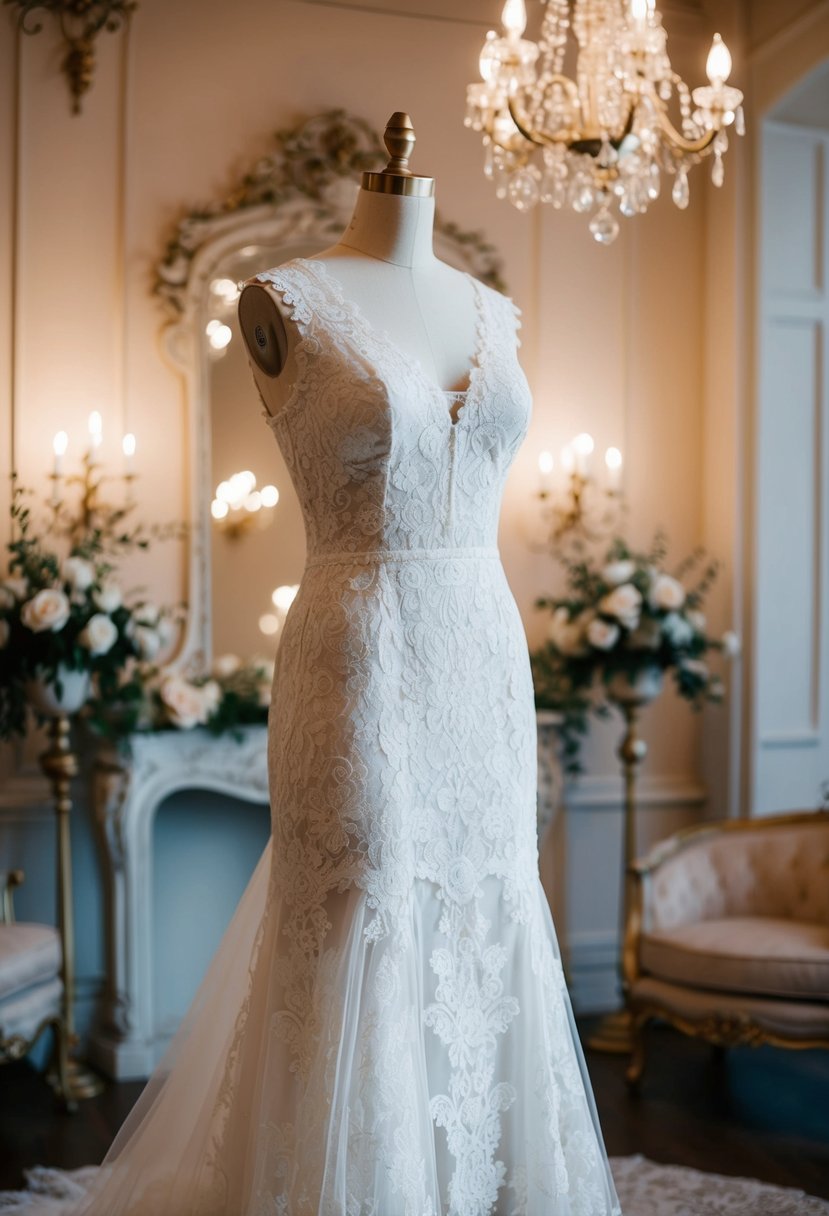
211,695
4,633
183,702
78,573
730,644
677,629
49,609
696,667
225,665
108,596
602,634
566,635
147,614
99,634
147,641
696,620
625,603
615,573
19,587
666,592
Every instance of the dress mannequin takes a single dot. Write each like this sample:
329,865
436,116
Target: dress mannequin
386,265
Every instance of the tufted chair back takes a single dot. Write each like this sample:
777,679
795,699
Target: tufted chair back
777,868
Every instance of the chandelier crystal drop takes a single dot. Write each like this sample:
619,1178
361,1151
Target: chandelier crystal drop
600,140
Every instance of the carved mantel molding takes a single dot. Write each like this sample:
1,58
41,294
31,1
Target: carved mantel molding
128,787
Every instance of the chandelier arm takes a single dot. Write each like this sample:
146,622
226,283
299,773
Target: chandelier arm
540,138
679,142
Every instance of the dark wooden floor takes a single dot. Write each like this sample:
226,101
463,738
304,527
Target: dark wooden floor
760,1113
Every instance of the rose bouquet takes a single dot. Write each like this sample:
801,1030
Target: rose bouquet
622,618
67,614
236,693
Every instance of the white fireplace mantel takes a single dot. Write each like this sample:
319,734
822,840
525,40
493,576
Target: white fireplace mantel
129,785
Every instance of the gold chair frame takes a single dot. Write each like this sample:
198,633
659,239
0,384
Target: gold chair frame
16,1046
720,1031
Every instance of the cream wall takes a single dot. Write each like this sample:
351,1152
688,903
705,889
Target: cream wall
613,340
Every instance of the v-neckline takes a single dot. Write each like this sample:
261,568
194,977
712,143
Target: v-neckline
445,396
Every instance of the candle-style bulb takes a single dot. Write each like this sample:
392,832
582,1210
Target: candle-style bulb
60,443
488,59
718,65
613,458
545,463
95,426
128,445
514,18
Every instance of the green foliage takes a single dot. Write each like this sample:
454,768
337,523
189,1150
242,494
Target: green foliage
619,617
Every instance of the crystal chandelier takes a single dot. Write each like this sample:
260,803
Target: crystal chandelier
601,138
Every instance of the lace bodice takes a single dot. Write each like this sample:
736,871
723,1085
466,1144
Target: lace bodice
377,460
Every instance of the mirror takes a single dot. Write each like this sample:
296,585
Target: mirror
246,525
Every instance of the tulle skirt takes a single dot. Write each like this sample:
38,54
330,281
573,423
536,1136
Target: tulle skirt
403,1109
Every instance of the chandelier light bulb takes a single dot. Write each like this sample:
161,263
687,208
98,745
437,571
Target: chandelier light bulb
269,624
639,10
567,459
128,445
269,496
514,18
219,508
488,60
60,443
545,463
613,458
583,444
718,65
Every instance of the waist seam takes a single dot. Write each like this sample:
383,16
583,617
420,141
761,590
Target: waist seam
370,557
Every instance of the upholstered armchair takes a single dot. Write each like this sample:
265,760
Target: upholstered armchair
31,989
728,934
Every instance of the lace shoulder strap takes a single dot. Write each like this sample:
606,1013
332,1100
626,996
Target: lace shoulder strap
509,314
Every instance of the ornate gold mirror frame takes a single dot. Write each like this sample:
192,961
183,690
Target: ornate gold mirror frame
300,194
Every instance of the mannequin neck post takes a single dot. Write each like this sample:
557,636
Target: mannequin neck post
393,228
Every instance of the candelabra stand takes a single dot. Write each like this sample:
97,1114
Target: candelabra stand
614,1033
60,765
585,512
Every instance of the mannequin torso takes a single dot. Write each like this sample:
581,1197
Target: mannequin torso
384,264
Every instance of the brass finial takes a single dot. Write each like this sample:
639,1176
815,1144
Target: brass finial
397,177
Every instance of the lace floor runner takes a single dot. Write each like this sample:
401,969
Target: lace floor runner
645,1189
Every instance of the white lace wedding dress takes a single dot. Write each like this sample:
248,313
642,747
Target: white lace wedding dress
385,1030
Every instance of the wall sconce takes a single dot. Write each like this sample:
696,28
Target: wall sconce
90,479
239,506
80,24
581,509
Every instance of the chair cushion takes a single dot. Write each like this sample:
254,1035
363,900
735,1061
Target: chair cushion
22,1013
29,954
806,1022
753,954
